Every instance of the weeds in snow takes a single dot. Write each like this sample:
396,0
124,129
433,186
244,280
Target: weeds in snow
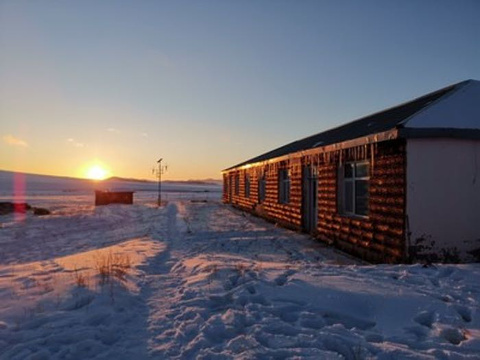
112,267
80,279
241,268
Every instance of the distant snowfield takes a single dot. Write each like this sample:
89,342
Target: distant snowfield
199,280
44,185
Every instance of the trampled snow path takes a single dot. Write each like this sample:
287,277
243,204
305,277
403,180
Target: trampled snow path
233,286
210,282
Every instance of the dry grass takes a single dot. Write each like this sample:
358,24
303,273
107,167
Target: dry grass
241,268
80,279
111,267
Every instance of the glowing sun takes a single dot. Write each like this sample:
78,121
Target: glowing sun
96,172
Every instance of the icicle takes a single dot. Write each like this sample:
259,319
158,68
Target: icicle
372,158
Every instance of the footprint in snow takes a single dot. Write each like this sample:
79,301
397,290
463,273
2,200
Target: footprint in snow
452,335
464,312
425,318
282,279
349,322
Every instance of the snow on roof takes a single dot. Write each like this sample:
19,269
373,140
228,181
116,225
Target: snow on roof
459,109
455,107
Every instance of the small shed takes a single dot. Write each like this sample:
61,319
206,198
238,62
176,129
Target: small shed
113,197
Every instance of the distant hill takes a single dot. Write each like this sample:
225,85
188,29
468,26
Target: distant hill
34,183
117,178
191,182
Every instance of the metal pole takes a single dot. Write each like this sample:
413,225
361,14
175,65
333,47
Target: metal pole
160,182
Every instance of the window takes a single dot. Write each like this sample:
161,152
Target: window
261,189
353,188
225,185
283,186
247,185
237,184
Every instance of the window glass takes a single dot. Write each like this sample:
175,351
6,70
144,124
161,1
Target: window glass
283,186
261,189
353,188
237,184
348,170
361,169
247,185
361,197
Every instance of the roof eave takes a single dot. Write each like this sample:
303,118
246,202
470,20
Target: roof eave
365,140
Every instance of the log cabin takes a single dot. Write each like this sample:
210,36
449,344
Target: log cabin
400,185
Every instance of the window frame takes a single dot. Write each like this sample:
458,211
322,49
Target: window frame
225,186
237,185
247,185
284,186
262,188
353,180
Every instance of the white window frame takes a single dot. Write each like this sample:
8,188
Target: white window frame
352,180
284,186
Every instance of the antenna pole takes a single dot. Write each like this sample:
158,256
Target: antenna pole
159,202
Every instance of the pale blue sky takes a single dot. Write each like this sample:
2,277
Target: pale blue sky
207,84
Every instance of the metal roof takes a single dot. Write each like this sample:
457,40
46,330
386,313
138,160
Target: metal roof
392,118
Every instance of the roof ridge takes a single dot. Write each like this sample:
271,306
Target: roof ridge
397,106
455,88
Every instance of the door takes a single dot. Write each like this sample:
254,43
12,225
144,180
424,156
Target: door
309,199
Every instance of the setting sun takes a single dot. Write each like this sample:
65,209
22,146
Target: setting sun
96,172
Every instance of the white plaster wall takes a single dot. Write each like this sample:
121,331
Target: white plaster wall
443,192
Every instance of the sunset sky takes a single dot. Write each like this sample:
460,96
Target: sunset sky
207,84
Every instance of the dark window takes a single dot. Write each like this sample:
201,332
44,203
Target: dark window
247,185
261,189
353,186
237,184
283,186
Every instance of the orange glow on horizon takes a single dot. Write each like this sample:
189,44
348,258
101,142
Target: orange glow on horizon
96,172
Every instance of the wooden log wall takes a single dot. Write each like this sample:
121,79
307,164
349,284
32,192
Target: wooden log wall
380,237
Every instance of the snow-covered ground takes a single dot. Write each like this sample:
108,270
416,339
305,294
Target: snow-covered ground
199,280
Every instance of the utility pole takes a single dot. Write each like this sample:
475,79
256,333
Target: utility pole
159,203
158,172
